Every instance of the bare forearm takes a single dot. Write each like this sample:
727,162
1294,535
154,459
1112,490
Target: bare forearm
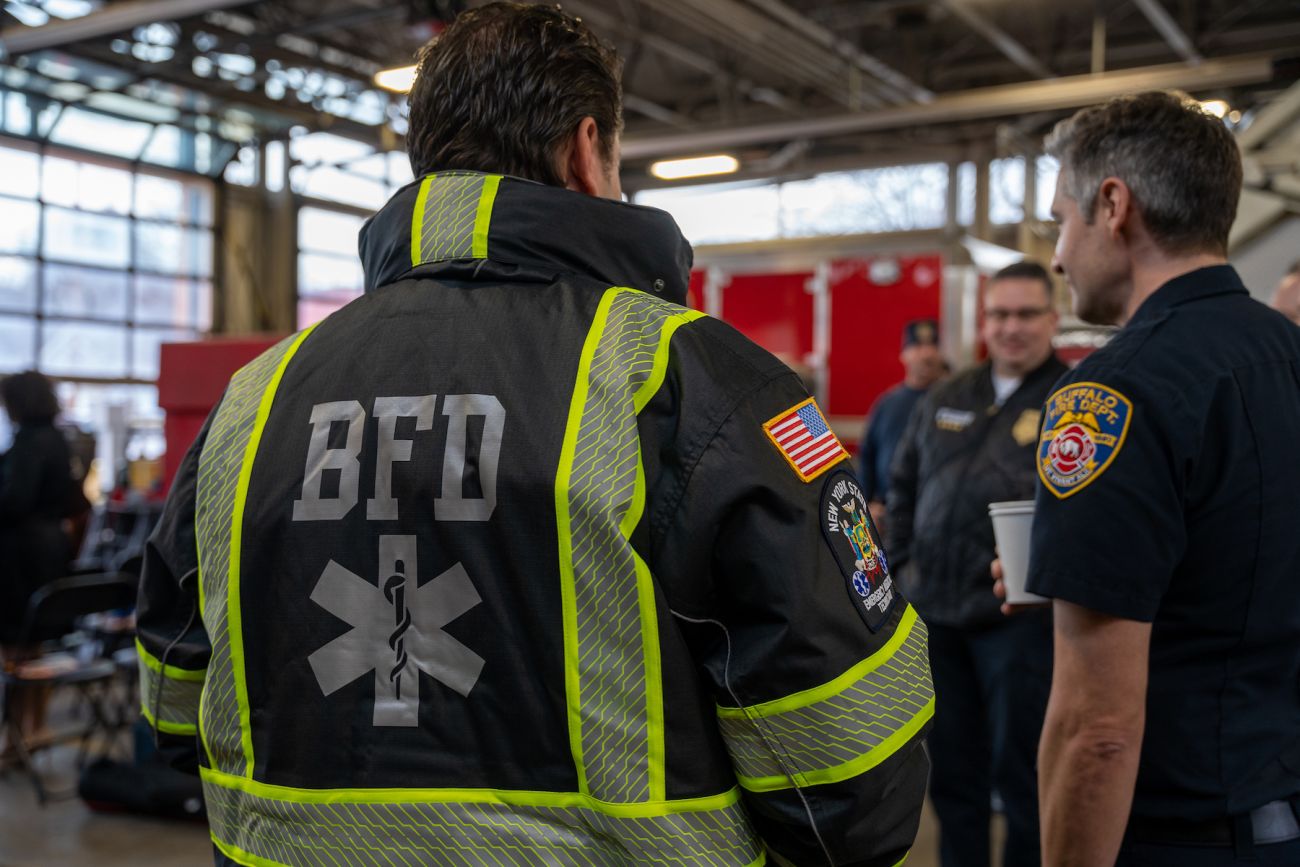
1085,778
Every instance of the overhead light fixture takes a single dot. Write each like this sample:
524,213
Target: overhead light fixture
694,167
1216,107
399,80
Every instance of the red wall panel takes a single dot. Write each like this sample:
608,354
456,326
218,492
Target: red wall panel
773,310
866,326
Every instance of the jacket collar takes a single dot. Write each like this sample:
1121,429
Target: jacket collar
446,220
1051,366
1192,286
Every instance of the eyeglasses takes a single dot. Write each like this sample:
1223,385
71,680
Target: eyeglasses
1024,314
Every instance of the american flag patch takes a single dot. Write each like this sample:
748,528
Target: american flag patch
806,441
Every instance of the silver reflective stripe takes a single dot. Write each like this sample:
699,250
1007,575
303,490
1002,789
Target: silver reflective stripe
613,637
217,500
879,708
453,211
170,702
478,828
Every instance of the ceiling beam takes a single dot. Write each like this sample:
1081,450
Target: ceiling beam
225,95
655,111
1163,22
671,50
898,85
1276,117
766,41
110,19
1001,101
999,39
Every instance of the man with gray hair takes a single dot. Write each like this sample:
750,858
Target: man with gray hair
1165,525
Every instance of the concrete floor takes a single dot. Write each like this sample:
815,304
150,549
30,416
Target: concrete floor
65,833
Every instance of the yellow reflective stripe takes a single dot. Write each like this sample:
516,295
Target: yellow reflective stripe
563,478
239,856
903,860
848,770
506,797
171,728
509,829
234,617
832,688
194,675
417,220
645,591
483,217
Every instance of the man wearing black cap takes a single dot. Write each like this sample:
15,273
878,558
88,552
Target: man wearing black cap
923,365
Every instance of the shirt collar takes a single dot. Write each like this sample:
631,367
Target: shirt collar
1193,286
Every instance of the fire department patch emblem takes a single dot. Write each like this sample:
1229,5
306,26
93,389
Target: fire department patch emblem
846,523
1083,431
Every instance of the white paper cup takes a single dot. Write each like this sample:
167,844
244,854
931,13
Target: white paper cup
1012,524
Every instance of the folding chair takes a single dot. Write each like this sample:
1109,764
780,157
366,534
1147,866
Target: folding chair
52,612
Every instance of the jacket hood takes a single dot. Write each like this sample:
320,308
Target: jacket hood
445,220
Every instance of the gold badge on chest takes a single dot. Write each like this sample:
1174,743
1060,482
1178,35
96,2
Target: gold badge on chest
1025,430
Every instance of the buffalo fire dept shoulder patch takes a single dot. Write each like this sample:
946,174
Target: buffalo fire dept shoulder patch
805,439
846,523
1083,431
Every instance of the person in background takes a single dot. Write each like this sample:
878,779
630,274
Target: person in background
1165,527
37,491
1286,298
969,443
923,365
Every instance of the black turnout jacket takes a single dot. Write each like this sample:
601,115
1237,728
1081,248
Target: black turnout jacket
500,564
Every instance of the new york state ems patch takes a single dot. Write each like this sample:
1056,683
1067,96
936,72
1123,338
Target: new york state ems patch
846,523
1083,430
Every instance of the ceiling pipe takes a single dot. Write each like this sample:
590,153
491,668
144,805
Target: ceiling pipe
988,102
114,18
999,38
1169,29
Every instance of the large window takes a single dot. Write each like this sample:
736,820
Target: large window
329,269
891,199
99,264
339,180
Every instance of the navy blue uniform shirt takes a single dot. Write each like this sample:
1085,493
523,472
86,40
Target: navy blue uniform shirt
885,426
1170,493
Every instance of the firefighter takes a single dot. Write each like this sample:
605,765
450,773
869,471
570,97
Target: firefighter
516,560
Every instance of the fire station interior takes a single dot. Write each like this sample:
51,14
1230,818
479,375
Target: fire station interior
182,184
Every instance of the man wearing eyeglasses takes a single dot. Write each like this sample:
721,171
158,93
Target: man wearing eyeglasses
969,443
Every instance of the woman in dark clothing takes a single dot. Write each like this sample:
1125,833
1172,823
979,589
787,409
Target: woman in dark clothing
36,490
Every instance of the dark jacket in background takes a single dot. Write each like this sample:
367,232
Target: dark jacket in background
961,452
886,424
35,491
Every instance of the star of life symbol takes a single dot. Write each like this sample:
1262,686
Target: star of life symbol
396,631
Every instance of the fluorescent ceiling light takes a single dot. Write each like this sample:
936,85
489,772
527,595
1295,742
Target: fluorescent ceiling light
398,80
694,167
1216,107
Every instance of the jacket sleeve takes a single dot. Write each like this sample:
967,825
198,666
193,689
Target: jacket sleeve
822,712
172,645
904,472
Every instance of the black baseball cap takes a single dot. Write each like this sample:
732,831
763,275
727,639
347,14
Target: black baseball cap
921,332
